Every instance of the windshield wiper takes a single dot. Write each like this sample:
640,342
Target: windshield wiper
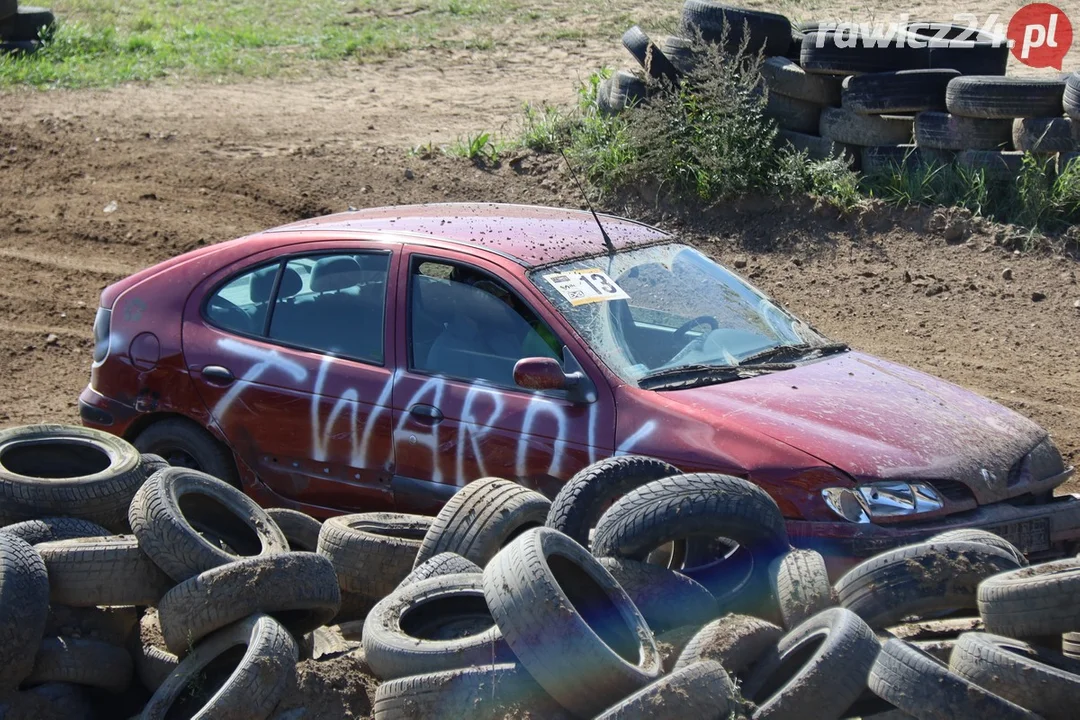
684,376
801,350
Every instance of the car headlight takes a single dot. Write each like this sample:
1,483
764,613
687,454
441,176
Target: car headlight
884,499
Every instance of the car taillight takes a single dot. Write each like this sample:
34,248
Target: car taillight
101,333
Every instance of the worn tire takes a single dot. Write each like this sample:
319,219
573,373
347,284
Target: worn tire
1071,97
174,509
8,8
944,131
984,537
106,571
1070,645
481,518
889,159
79,661
925,688
446,563
735,641
966,50
766,32
167,437
27,24
52,700
826,52
919,580
1045,135
847,127
298,589
253,689
35,532
582,500
51,470
1004,165
819,148
702,691
442,623
666,599
152,660
24,609
1005,98
680,51
800,581
897,93
649,56
1041,680
793,114
487,692
113,625
787,78
300,529
372,552
1033,601
627,89
568,622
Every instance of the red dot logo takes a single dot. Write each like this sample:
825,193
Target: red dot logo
1040,35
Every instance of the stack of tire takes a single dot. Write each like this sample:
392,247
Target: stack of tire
22,28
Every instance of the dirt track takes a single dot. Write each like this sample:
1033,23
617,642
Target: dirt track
194,165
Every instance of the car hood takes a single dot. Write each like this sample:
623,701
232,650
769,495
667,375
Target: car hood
874,419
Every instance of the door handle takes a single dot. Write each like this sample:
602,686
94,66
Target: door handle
426,413
218,375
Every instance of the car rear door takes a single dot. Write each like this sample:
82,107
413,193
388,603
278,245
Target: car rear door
293,353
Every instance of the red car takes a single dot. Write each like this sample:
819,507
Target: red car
383,358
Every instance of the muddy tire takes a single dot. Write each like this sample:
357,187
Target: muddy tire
801,584
188,522
626,89
984,537
701,691
786,680
1045,135
442,623
1004,98
481,518
793,114
897,93
442,564
849,128
24,609
79,661
1041,680
787,78
152,660
372,552
819,148
298,589
113,625
762,31
827,52
568,622
680,51
924,687
35,532
1033,601
105,571
51,470
953,132
649,56
488,692
1071,97
582,500
300,529
920,580
994,165
735,641
252,690
666,599
969,51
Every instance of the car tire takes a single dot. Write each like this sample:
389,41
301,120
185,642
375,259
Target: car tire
372,552
442,623
827,52
582,500
152,660
1071,97
793,114
787,78
649,55
1002,166
253,689
944,131
734,641
1045,135
681,52
442,564
850,128
35,532
984,537
801,584
298,589
1004,98
175,508
300,529
666,599
51,700
701,691
79,661
1041,680
729,26
8,8
113,625
481,518
29,23
627,89
50,470
966,50
819,148
102,571
919,580
922,686
184,443
487,692
24,609
569,623
1032,601
902,92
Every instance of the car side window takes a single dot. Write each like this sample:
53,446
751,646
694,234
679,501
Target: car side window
241,305
467,324
334,304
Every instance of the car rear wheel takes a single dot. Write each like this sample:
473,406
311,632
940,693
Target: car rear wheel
184,444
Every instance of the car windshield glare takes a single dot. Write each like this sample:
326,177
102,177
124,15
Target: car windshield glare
668,306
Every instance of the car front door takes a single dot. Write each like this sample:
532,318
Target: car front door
293,354
458,414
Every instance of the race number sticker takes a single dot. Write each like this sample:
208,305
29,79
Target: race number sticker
582,287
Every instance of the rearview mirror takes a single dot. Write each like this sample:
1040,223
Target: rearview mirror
540,373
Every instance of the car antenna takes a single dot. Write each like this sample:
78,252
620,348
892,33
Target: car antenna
603,233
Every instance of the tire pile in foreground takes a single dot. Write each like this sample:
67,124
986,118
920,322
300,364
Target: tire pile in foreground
22,27
638,592
932,93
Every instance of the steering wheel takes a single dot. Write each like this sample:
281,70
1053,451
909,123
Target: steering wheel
691,324
231,313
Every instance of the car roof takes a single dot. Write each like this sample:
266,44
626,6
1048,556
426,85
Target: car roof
531,235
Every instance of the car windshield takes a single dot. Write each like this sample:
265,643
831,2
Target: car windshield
663,308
